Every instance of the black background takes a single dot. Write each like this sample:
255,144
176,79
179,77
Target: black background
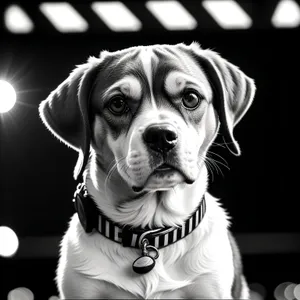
259,190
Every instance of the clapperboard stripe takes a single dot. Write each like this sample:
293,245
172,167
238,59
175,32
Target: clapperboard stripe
186,15
64,17
179,19
17,20
110,12
222,12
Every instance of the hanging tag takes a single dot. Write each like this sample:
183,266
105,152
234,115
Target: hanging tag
146,262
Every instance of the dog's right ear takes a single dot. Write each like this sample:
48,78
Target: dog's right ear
234,92
65,111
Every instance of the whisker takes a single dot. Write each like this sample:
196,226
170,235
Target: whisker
208,165
215,165
219,162
211,152
223,145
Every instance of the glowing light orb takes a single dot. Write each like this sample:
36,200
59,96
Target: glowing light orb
297,292
9,242
258,291
279,291
256,296
7,96
289,291
53,298
20,293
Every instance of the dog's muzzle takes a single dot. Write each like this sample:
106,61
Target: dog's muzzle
160,137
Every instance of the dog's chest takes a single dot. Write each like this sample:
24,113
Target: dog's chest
168,279
172,278
114,292
177,269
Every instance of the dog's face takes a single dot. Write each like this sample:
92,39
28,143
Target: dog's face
153,111
149,113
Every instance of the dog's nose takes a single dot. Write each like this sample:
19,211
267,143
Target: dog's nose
160,137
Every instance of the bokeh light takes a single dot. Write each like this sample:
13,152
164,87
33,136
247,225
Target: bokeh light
280,289
289,292
9,242
256,296
259,289
20,293
7,96
297,291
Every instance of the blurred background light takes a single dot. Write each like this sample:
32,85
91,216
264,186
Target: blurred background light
286,14
7,96
280,289
117,16
64,17
289,292
20,293
9,242
258,291
297,291
16,20
172,15
256,296
228,14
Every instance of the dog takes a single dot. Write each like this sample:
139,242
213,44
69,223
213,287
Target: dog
142,120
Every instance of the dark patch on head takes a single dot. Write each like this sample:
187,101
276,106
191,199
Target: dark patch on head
116,67
165,66
169,62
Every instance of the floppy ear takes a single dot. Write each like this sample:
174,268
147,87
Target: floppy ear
65,111
233,92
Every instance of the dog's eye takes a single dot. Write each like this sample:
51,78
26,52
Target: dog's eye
117,105
190,100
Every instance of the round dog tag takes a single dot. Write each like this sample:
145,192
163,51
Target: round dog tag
143,264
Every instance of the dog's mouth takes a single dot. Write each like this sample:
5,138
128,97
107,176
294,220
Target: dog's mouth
164,167
163,177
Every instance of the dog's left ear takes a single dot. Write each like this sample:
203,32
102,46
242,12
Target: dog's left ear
65,111
233,92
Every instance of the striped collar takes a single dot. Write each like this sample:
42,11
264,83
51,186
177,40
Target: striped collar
92,219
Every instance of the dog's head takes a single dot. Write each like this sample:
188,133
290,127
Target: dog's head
152,112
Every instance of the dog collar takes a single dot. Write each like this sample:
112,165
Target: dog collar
148,240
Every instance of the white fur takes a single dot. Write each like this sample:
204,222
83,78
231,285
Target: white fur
129,86
147,56
177,81
182,269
